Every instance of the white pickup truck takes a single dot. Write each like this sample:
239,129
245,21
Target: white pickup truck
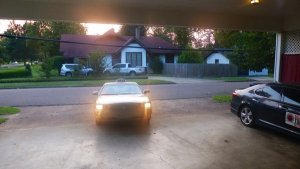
125,69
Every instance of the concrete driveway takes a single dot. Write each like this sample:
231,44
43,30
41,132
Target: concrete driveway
186,133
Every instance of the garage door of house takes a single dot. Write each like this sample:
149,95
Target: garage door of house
290,72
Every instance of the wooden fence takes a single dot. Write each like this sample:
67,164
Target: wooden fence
199,70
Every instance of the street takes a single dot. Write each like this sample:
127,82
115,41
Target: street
83,95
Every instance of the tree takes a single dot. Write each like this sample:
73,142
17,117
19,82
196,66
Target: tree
129,30
190,56
57,63
156,65
47,66
252,50
97,62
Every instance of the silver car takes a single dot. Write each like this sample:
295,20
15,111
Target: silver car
69,69
122,100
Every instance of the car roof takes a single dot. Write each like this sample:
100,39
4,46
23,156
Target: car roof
297,86
125,83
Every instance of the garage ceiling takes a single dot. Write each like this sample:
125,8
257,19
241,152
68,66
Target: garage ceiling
269,15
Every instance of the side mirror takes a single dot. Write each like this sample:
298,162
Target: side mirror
95,92
146,91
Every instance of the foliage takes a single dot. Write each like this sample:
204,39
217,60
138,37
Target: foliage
222,98
28,68
30,50
129,30
8,110
13,73
1,61
156,65
47,66
183,36
97,62
2,120
190,56
252,50
57,63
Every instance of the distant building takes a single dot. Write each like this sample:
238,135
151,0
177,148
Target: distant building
137,50
218,56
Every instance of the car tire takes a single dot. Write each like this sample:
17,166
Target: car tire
132,73
69,74
247,116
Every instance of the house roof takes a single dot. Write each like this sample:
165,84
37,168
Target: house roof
219,50
110,43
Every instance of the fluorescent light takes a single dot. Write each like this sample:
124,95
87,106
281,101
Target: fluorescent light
254,1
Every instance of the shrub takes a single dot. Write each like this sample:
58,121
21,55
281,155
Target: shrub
57,63
13,73
190,56
156,65
47,66
28,67
97,62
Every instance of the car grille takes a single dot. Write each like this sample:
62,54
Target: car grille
124,110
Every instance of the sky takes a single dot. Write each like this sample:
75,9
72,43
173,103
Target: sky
92,28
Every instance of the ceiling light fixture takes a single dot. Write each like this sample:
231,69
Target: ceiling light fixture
254,1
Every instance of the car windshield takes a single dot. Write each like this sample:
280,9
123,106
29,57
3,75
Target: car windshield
120,89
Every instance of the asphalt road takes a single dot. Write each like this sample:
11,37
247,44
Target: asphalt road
83,95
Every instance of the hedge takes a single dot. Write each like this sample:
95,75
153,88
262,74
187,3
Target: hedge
13,73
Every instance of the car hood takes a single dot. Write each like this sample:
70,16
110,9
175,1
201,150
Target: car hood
113,99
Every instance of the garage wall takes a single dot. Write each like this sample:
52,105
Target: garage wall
290,67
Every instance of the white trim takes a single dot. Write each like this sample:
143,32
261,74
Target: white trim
278,48
279,127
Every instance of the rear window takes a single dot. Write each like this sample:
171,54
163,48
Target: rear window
291,96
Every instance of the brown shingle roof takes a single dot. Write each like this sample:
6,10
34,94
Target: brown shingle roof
109,43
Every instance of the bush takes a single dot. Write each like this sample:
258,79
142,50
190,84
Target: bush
156,65
97,62
190,56
57,63
13,73
28,67
47,66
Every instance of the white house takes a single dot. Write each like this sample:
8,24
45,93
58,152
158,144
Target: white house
137,50
217,58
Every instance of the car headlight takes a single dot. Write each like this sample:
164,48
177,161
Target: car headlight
99,106
147,105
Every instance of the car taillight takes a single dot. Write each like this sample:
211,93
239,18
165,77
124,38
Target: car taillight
234,94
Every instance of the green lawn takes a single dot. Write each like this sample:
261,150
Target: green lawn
8,110
232,79
82,83
2,120
222,98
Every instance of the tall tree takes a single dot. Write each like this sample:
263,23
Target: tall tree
252,50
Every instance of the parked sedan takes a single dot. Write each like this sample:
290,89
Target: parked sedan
122,100
273,105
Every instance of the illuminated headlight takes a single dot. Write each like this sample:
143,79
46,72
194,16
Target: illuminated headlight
99,106
147,105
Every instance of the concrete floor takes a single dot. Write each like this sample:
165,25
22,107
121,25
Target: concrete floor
187,134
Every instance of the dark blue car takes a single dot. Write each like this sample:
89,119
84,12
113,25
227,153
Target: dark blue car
272,105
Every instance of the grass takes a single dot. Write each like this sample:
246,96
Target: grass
82,83
8,110
232,79
222,98
2,120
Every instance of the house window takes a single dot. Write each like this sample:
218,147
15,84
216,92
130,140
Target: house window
216,61
135,58
169,59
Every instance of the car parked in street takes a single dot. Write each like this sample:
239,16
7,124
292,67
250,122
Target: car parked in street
272,105
70,69
122,100
125,69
